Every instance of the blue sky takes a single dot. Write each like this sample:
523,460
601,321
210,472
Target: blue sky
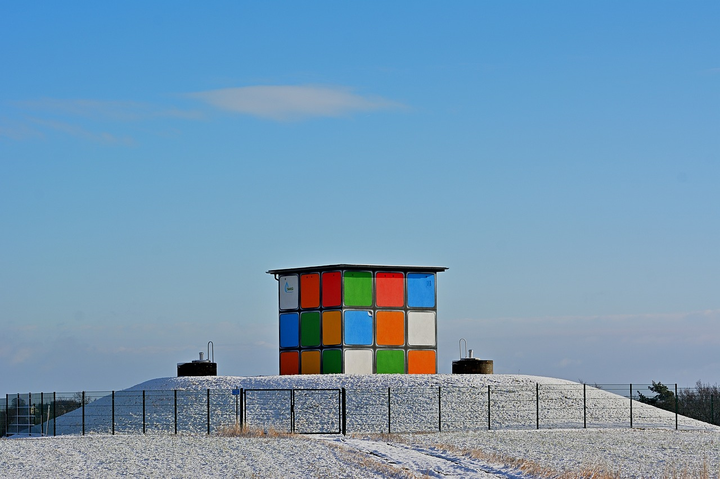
561,159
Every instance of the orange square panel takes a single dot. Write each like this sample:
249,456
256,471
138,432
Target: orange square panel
421,362
332,328
289,362
310,362
389,290
310,291
390,328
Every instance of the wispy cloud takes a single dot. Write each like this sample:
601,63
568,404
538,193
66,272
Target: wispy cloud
291,102
107,110
80,132
18,131
87,119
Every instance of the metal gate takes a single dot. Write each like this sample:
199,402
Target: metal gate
304,411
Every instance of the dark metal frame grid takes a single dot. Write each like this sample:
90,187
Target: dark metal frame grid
373,308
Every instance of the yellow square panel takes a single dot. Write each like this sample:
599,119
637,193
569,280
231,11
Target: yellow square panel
332,328
310,362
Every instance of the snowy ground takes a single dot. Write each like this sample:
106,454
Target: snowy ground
497,453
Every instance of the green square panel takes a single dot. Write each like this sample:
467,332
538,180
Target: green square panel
310,329
390,361
332,361
357,286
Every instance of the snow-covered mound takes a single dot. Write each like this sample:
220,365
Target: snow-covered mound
374,403
350,381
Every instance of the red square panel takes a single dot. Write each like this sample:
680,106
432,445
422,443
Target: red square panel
331,289
390,290
289,363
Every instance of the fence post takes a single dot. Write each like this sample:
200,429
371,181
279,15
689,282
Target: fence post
388,410
242,407
676,407
42,414
344,412
83,413
208,411
584,406
143,411
113,413
488,407
537,405
631,406
292,411
439,408
175,407
54,415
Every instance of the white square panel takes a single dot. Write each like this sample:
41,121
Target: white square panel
421,328
289,291
358,361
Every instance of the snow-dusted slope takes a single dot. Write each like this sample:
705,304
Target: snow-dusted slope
418,403
607,444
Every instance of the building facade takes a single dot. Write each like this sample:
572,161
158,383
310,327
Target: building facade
358,319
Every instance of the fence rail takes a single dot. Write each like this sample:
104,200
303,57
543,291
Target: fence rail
335,411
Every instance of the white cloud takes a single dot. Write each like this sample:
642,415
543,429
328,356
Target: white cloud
288,102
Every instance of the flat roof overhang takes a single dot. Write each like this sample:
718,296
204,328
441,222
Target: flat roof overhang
373,267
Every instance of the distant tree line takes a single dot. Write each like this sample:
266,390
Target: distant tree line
701,403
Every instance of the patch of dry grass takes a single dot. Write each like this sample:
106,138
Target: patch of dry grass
244,431
523,465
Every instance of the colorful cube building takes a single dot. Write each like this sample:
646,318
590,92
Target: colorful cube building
358,319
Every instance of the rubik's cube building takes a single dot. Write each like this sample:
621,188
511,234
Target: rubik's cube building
358,319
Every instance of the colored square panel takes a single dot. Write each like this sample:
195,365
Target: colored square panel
310,329
391,361
332,289
358,328
332,328
288,291
421,290
389,290
289,362
421,328
390,328
310,362
289,330
421,362
310,291
358,361
332,361
358,288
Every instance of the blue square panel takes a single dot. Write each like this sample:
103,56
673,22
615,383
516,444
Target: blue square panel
358,328
289,330
421,290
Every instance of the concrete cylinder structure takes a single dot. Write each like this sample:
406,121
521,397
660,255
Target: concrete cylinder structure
472,366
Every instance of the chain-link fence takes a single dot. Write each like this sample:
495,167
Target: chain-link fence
333,411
